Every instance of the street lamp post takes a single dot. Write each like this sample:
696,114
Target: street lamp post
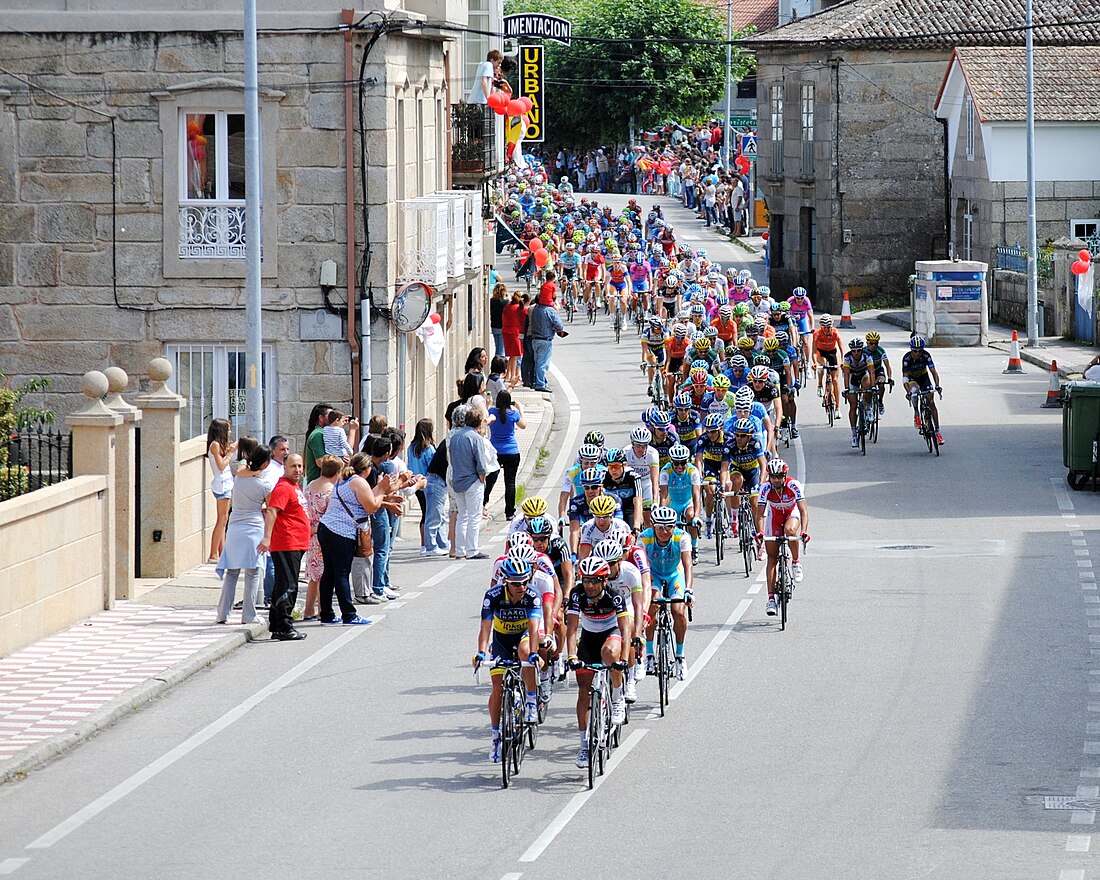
1032,236
729,77
254,386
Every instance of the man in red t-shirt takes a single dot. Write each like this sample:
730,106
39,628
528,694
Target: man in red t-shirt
286,534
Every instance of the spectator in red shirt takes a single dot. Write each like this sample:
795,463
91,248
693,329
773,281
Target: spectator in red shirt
286,535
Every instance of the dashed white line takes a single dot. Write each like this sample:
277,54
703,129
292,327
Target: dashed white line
709,651
440,575
1071,874
10,866
513,876
1078,842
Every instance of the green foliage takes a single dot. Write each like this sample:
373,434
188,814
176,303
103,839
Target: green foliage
661,71
13,417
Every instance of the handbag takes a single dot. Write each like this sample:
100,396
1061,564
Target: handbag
364,544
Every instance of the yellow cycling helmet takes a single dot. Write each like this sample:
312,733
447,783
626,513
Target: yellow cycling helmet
533,506
602,505
873,336
701,344
722,381
745,343
771,344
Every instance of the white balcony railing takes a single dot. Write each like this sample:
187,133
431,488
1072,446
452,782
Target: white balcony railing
456,239
212,231
471,225
423,240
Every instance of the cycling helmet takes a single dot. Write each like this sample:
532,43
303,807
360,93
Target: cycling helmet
759,373
680,331
569,246
771,344
873,336
775,307
641,436
738,362
659,516
700,342
614,455
602,505
533,506
674,277
589,451
761,323
517,539
855,344
609,550
698,310
699,364
743,398
710,332
799,292
722,382
698,377
540,527
744,426
713,277
595,438
777,468
782,337
661,419
591,477
594,566
740,310
701,253
762,360
523,552
784,306
565,180
682,400
725,313
515,570
746,343
713,422
655,322
679,452
916,343
826,321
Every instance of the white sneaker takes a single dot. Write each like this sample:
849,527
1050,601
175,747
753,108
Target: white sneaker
796,570
650,665
710,529
531,712
819,391
618,711
582,757
771,608
630,691
494,752
681,668
424,551
389,594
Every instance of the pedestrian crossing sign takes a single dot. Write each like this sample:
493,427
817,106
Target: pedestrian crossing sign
748,146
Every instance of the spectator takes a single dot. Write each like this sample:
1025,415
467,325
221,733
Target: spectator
315,440
710,190
477,359
377,424
456,421
318,493
381,526
337,442
468,471
411,484
496,317
506,417
591,172
242,537
435,502
219,453
286,536
544,323
739,206
495,383
421,451
280,448
487,72
603,169
353,500
513,322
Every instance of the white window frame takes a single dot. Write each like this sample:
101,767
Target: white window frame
220,219
475,46
1075,230
968,233
971,137
211,97
195,418
775,107
806,116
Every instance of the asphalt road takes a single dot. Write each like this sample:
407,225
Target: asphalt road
933,686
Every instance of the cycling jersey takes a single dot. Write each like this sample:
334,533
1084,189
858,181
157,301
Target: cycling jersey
568,263
640,466
679,484
602,613
727,330
689,429
746,458
625,491
629,578
592,263
640,275
635,554
879,356
511,620
915,366
618,530
617,275
666,560
826,339
780,505
714,451
654,337
857,365
663,444
678,348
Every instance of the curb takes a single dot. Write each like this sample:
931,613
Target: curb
125,703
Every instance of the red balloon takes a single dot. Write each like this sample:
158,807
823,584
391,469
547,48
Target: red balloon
542,257
435,317
499,110
497,99
1079,267
742,164
535,244
526,102
765,235
1084,256
514,108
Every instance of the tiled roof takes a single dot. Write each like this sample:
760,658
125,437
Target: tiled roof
1067,80
941,24
764,14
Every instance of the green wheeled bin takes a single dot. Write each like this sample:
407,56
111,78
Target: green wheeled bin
1081,433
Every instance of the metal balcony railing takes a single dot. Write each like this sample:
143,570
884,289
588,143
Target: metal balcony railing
473,139
212,230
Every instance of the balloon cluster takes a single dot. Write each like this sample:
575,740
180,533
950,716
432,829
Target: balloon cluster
538,250
1081,264
502,105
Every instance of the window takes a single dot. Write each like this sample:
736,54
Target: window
747,87
202,127
775,102
212,379
471,314
968,233
475,46
968,112
807,115
1084,229
775,243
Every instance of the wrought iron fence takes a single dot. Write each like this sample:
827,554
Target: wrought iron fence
473,138
32,459
1014,258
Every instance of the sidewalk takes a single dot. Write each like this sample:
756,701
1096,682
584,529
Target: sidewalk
1072,357
63,689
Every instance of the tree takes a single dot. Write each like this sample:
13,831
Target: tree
646,61
15,478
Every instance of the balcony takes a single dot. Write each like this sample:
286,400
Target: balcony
471,233
424,244
212,230
473,140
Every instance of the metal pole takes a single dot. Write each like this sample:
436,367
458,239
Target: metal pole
729,76
1032,237
254,387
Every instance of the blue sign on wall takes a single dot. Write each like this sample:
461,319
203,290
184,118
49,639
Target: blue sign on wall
958,276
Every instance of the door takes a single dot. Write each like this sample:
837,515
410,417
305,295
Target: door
807,243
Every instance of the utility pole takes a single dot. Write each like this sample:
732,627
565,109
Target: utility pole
729,84
1032,236
254,387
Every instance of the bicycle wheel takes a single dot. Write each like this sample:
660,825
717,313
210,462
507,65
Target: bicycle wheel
745,534
618,325
662,667
719,527
507,736
935,441
783,589
569,308
593,736
874,424
829,409
519,748
861,427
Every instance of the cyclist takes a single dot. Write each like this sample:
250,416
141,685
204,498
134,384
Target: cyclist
780,364
530,509
580,511
664,437
712,458
722,402
737,371
598,626
653,349
568,263
919,372
511,614
643,460
802,311
587,457
641,278
594,266
883,371
745,406
784,514
681,489
670,559
617,289
858,370
826,340
626,576
767,395
602,525
621,484
747,464
688,425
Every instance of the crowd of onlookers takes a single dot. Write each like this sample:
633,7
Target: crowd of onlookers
336,506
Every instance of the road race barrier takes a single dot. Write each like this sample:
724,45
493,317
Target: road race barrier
1054,392
1015,365
846,312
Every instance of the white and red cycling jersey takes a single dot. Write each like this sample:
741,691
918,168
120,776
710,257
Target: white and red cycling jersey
780,505
635,554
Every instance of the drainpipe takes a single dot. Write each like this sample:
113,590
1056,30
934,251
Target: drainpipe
357,403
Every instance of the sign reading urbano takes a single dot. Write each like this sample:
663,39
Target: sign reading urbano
538,26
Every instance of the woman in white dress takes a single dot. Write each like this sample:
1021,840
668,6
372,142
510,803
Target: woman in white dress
243,534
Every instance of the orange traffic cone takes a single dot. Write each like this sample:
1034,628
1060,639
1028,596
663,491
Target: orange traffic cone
1054,392
1015,365
846,312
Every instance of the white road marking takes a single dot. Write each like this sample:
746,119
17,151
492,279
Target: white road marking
1071,874
1078,842
549,488
397,603
580,799
1083,817
1088,791
409,596
513,876
1090,773
1061,495
89,812
1092,748
440,575
756,588
710,650
10,866
1077,542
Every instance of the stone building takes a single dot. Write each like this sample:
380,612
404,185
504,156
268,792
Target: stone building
122,201
852,156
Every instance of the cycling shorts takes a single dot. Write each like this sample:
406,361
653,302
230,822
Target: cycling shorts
675,364
658,355
620,286
592,273
590,645
803,323
923,383
578,509
671,588
855,380
712,469
505,646
569,272
751,482
641,287
774,522
828,357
